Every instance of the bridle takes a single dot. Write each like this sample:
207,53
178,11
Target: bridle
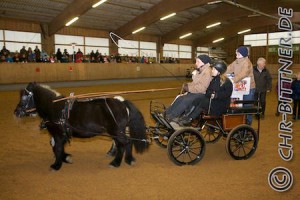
26,99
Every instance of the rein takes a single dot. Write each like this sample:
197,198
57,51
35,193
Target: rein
105,94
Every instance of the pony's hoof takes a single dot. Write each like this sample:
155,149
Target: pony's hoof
130,162
55,167
69,159
113,165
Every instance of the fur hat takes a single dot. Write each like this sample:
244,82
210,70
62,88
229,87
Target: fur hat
205,59
243,50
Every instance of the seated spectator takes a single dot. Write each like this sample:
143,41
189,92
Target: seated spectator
2,59
65,56
22,58
51,59
31,55
16,57
9,59
44,56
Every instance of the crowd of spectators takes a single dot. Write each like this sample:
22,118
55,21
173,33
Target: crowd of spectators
64,56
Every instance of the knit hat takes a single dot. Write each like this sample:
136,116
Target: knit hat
243,50
205,59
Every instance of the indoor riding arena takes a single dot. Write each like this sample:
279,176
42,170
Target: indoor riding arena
147,68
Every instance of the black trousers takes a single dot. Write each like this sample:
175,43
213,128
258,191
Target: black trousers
296,108
181,104
262,100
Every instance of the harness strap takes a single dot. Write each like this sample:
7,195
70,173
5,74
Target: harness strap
110,111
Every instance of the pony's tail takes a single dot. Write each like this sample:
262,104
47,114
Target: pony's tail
137,128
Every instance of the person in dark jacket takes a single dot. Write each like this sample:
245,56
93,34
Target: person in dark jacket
217,98
286,85
296,96
263,82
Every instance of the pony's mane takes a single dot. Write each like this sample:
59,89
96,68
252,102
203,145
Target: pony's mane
57,94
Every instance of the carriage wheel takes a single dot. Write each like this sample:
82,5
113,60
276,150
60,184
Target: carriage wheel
161,135
241,142
210,132
186,147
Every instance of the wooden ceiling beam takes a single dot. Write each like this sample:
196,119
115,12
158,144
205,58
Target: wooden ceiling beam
75,9
224,13
156,12
233,28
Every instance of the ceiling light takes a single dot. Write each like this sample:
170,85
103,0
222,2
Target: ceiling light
244,31
72,21
213,2
218,40
138,30
168,16
184,36
212,25
99,3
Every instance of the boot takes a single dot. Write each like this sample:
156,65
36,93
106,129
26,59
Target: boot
185,121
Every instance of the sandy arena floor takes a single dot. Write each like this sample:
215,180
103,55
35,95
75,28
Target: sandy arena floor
25,157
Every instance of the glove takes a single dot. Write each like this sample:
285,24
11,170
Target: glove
212,95
185,88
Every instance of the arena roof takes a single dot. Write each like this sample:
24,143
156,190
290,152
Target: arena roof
124,16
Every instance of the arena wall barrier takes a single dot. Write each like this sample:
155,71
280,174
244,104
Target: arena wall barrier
13,73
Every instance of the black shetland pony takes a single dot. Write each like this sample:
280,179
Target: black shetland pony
65,119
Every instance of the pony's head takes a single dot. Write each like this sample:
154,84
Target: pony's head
26,105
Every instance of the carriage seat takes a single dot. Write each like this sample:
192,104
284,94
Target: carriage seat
253,107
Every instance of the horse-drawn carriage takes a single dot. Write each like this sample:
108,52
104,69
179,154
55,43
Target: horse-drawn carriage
186,145
67,117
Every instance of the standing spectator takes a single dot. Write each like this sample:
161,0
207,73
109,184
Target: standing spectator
96,54
92,54
296,96
23,52
286,85
4,52
37,53
79,56
59,55
263,83
242,68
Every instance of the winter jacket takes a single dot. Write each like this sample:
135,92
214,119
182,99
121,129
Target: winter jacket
263,80
221,102
296,89
241,68
201,80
